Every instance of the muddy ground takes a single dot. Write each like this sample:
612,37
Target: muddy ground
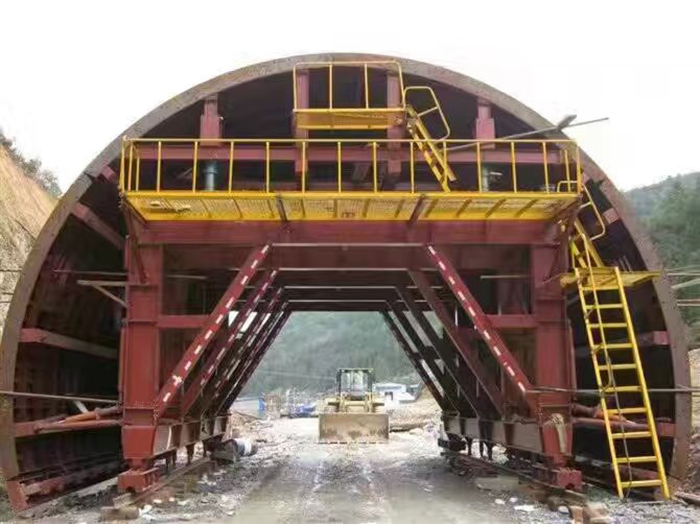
293,479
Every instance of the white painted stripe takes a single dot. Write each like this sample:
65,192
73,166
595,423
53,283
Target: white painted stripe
202,382
255,263
265,249
188,365
211,369
177,380
274,272
219,319
228,304
233,335
510,371
497,351
452,280
166,397
461,296
208,334
471,311
432,251
442,266
522,388
264,287
244,279
198,349
486,334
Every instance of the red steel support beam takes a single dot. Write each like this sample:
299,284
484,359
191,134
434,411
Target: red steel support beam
416,361
469,354
214,322
498,348
225,343
464,377
94,222
41,336
266,341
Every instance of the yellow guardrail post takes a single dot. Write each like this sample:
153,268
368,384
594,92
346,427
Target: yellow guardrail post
412,167
579,175
230,167
513,168
122,165
195,160
546,166
374,167
131,164
267,167
138,169
566,168
303,167
158,162
330,86
340,168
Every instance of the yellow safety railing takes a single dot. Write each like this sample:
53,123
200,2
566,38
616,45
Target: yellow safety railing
135,151
433,108
389,65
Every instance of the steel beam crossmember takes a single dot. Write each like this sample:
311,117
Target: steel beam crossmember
216,356
498,348
210,328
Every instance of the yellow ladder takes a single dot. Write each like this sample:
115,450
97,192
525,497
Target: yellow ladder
426,144
617,365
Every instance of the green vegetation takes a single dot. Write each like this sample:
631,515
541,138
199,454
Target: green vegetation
32,168
670,210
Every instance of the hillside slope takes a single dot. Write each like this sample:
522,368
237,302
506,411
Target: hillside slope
24,207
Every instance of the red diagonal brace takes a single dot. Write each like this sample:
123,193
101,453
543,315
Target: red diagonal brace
468,353
251,340
211,326
415,360
225,343
498,348
251,364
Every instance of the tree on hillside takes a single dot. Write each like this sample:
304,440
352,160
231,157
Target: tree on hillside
31,168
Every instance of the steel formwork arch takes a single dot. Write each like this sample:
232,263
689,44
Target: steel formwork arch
63,337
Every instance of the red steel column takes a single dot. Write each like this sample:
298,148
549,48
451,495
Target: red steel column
141,346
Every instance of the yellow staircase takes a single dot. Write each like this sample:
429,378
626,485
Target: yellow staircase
617,365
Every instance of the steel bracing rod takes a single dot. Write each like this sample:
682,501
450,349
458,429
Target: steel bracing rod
221,346
415,360
211,327
429,357
256,355
464,378
227,370
496,345
468,353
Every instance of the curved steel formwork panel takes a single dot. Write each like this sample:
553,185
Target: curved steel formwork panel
69,322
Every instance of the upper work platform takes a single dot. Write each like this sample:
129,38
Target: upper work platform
350,179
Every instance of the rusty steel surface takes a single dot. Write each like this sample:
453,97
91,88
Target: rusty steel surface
86,232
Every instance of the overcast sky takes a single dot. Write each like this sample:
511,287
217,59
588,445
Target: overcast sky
74,75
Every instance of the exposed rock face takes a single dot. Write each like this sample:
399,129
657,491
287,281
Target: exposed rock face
24,207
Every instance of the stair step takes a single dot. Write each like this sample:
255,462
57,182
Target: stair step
616,367
604,306
630,434
613,346
628,411
637,460
623,389
641,483
608,325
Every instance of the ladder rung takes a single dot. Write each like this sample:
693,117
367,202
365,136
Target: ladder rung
608,325
614,346
636,460
641,483
600,288
616,367
623,389
628,411
630,434
605,306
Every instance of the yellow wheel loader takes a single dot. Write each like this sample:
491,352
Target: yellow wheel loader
354,414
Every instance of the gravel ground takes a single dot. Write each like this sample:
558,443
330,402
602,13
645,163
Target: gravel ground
293,479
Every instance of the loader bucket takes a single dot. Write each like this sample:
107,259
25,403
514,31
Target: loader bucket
343,428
